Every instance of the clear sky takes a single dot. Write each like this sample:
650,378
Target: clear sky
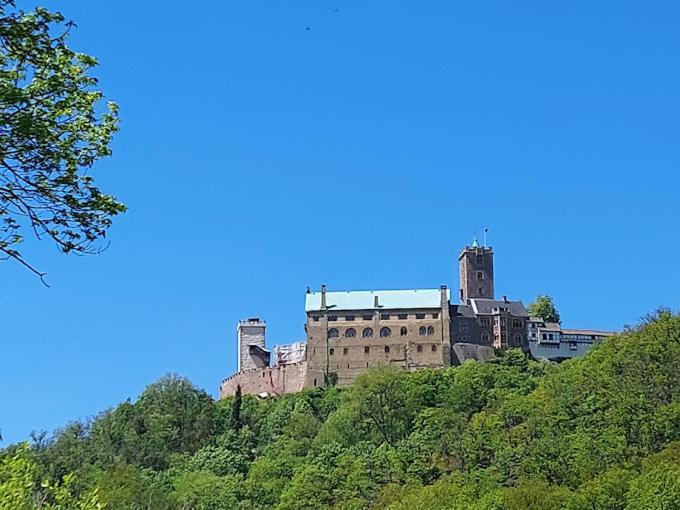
267,146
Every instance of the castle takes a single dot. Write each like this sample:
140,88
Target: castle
350,331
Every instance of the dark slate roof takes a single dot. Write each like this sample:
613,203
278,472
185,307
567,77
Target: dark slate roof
462,311
486,306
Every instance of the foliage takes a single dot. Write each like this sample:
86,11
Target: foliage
602,432
21,487
52,131
544,308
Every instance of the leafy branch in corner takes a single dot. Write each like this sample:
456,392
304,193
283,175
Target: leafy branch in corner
52,130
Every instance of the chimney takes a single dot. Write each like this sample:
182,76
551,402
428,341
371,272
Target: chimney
309,291
505,299
323,297
376,304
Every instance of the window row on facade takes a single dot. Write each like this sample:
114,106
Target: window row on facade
386,349
486,321
384,332
383,317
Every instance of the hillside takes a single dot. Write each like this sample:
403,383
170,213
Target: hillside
602,432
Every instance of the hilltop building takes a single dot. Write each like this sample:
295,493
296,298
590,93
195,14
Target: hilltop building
549,340
347,332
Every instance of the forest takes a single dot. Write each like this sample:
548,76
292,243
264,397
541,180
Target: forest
601,432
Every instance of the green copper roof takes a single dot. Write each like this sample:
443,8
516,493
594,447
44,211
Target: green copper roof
365,299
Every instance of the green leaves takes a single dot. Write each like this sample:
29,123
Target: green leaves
52,131
601,432
544,308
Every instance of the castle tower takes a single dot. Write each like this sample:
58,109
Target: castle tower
476,272
250,337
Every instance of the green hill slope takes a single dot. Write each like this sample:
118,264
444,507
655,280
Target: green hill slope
602,432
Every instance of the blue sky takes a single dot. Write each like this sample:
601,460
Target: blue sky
268,146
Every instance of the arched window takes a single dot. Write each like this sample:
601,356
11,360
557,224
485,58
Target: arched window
403,331
434,348
333,333
485,336
351,333
367,333
387,349
420,348
422,330
518,339
332,351
430,330
385,332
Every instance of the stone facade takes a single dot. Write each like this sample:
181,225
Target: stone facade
476,273
250,336
341,344
267,381
489,322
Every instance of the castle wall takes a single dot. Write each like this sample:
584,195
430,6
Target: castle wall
348,356
270,380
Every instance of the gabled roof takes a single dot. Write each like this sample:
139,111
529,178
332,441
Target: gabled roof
365,299
462,311
486,306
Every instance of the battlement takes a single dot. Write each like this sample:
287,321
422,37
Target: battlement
268,381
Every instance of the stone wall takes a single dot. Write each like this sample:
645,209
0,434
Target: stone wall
465,351
271,380
249,332
418,338
476,273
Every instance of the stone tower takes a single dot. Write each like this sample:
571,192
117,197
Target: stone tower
250,337
476,272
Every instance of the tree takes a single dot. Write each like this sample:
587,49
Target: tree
544,308
52,130
21,487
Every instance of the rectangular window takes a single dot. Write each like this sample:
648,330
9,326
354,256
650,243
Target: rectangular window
315,318
349,317
480,275
517,323
403,316
420,316
332,318
435,316
384,316
368,317
345,351
463,326
366,349
485,322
